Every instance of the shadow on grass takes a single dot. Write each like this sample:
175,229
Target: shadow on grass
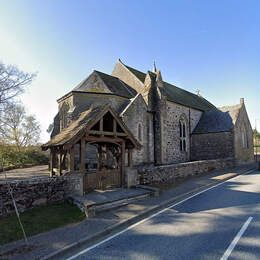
39,220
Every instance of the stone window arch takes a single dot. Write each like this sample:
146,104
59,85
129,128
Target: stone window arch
183,133
140,132
244,138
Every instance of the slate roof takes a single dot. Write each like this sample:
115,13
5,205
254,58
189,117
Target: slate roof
86,119
114,85
75,127
140,75
176,94
232,110
218,120
186,98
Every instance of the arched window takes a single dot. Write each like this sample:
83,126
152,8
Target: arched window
183,135
140,132
244,139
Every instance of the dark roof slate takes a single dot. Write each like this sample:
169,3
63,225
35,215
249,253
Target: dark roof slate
176,94
139,74
214,121
186,98
75,127
232,110
114,85
218,120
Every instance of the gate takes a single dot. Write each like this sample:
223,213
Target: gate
106,159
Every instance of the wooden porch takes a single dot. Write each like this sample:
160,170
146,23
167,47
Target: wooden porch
100,152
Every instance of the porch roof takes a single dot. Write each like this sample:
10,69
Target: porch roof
85,121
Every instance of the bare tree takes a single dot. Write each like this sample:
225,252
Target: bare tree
12,83
17,128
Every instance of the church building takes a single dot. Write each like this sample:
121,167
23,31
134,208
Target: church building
110,125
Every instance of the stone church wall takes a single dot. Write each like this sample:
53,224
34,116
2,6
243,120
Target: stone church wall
212,146
83,101
171,140
134,116
243,153
78,102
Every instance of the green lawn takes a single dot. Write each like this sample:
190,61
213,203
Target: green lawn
38,220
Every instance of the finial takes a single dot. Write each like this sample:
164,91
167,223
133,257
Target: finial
154,67
198,92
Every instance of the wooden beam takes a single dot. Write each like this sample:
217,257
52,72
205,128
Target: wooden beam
123,163
52,154
104,139
82,154
60,164
114,127
130,157
71,159
102,133
64,159
101,125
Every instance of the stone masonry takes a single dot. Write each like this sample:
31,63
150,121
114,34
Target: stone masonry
169,174
31,193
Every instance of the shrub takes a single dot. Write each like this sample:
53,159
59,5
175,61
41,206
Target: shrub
27,156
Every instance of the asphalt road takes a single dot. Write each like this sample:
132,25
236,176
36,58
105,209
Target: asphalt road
223,221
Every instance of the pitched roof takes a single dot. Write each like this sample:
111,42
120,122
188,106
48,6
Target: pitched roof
186,98
75,127
218,120
176,94
140,75
86,119
232,110
113,84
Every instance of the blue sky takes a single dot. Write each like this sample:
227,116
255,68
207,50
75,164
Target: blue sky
212,46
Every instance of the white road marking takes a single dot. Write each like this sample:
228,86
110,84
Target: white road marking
236,239
150,217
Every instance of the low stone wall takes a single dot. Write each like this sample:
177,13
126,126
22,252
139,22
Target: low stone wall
34,192
170,173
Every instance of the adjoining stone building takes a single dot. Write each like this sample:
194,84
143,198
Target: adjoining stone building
109,125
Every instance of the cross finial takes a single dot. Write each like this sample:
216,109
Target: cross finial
198,92
154,67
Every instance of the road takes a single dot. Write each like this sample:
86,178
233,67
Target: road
222,222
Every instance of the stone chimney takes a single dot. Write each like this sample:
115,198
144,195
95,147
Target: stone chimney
242,101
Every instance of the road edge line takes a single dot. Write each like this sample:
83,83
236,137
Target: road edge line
130,223
236,239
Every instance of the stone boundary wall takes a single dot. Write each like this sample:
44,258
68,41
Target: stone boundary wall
170,173
39,191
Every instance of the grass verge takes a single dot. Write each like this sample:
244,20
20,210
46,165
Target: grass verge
39,220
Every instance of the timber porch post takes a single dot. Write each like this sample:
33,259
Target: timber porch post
130,155
82,154
60,163
71,160
52,156
123,163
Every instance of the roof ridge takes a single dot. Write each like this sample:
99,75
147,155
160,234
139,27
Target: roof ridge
232,106
98,71
130,68
122,83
